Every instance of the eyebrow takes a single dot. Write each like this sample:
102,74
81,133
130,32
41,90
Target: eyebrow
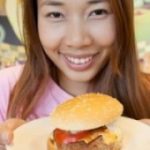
58,3
95,1
52,2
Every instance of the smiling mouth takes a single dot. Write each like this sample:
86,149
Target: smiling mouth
79,61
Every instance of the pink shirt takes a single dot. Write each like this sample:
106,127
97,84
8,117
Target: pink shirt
53,95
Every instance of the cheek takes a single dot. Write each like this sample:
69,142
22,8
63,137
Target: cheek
50,36
104,33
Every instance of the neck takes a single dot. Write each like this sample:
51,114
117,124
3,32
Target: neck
73,87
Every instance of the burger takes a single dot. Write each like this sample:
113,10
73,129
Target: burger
86,123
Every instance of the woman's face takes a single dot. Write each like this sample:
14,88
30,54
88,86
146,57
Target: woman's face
77,35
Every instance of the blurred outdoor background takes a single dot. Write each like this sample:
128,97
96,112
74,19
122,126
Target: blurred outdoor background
12,51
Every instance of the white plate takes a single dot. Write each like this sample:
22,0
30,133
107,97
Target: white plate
34,135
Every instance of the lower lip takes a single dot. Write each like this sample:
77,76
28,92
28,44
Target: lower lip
81,67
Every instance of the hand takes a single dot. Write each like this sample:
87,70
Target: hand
6,131
146,121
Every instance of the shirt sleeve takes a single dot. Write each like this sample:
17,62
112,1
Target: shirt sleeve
8,78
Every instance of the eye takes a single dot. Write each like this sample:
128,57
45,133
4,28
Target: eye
99,13
55,15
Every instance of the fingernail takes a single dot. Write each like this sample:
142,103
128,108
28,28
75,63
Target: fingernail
6,137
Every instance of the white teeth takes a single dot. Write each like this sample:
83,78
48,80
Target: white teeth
79,61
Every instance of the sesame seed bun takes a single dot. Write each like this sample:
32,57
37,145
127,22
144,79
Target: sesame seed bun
86,112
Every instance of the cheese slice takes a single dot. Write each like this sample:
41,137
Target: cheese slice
107,136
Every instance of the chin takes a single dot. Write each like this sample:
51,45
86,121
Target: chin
81,76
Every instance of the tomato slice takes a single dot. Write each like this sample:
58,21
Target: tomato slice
65,137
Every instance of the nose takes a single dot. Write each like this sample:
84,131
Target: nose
77,35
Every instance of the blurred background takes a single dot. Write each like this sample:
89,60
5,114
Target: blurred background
12,50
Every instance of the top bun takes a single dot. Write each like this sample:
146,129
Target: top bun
86,112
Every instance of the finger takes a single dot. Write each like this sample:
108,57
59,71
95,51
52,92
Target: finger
2,147
146,121
14,123
6,137
7,128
